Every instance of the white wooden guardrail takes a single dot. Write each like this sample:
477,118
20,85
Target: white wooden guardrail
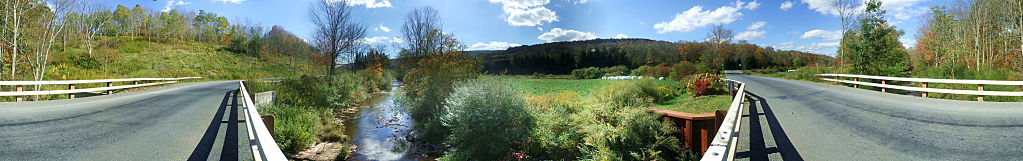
263,145
923,89
71,86
722,147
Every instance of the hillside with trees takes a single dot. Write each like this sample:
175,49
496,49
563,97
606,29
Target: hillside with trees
68,39
563,57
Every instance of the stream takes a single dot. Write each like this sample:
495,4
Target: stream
379,131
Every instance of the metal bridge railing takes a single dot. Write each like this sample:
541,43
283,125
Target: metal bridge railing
263,145
722,147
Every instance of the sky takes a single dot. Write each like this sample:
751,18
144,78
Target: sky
803,25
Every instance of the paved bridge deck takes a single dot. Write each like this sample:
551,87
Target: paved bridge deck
797,120
193,121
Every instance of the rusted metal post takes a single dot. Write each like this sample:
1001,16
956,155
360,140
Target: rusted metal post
980,98
110,84
268,120
71,87
19,98
882,88
924,94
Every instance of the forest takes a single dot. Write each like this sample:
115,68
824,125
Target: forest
563,57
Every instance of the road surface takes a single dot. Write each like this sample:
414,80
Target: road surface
798,120
192,121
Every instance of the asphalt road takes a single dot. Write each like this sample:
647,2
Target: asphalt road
797,120
191,121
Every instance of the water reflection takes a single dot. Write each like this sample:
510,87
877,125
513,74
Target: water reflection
380,131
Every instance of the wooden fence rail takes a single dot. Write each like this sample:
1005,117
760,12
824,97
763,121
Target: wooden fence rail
884,85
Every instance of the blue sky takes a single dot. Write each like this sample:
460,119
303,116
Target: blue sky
804,25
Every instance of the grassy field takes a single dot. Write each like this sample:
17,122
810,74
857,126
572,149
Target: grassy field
686,103
585,88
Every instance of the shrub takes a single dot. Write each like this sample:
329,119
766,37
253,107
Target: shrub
555,137
623,94
429,83
615,70
587,73
631,134
487,120
674,71
704,84
295,126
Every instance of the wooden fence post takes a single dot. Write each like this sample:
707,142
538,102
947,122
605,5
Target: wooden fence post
110,84
19,98
924,94
882,88
71,87
856,85
980,98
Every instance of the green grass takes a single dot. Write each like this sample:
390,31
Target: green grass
554,86
585,87
686,103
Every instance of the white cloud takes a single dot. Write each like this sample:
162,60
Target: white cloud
908,43
539,28
493,45
756,25
173,3
581,1
621,36
696,17
822,34
558,34
750,5
382,28
750,35
527,12
786,5
819,48
381,39
230,1
786,45
900,9
370,3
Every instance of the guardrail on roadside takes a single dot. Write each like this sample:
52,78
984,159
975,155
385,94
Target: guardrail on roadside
19,92
263,145
923,89
722,147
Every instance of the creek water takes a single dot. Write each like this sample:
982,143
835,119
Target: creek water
380,131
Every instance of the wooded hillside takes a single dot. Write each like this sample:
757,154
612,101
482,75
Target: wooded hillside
563,57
